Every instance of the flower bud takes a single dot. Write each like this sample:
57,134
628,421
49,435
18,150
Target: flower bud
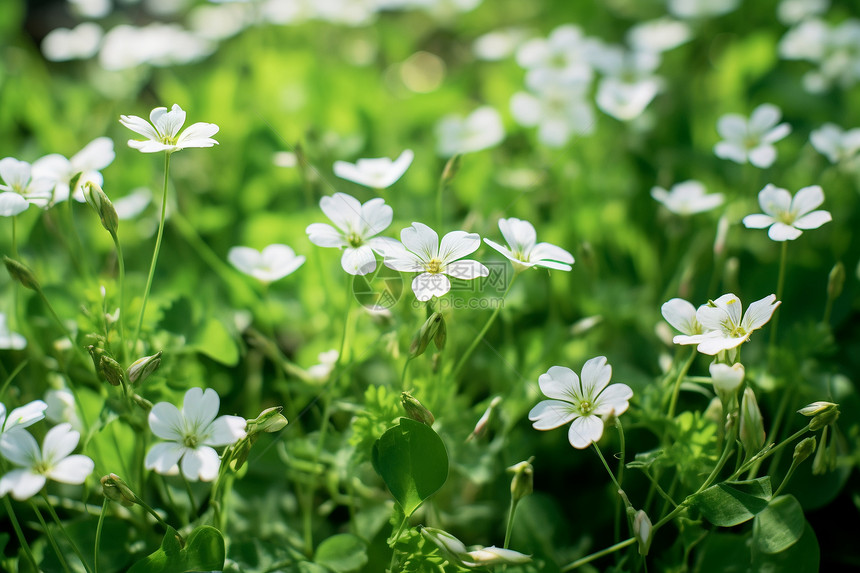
416,410
727,379
451,169
441,335
111,370
484,421
96,353
823,419
803,450
449,545
642,531
817,408
117,490
489,556
752,426
141,368
22,274
270,421
425,334
722,233
820,463
522,483
100,203
835,281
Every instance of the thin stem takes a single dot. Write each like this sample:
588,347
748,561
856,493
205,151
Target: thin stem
606,465
780,283
15,237
403,373
786,479
154,254
768,452
462,361
673,402
99,535
394,543
659,489
65,533
121,320
189,492
589,558
60,556
21,539
623,447
510,525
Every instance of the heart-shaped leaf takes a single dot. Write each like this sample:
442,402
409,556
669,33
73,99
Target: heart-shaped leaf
203,551
731,503
779,525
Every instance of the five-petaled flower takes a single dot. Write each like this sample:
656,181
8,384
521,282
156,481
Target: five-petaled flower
523,250
421,252
20,188
272,263
191,435
788,217
687,198
376,173
724,328
682,315
357,227
37,465
751,141
162,131
581,402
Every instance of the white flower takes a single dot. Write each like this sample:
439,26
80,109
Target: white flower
751,141
836,144
557,107
357,226
687,198
723,326
62,409
581,402
133,204
524,252
694,9
23,416
659,35
20,188
89,161
726,379
191,434
565,52
793,11
479,130
498,45
682,315
629,84
10,340
51,461
421,252
788,217
156,44
163,133
321,371
377,173
79,43
273,263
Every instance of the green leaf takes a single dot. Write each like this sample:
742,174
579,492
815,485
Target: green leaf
802,557
731,503
412,461
723,553
342,553
203,551
779,526
214,341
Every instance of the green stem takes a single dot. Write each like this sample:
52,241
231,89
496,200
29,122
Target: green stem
786,479
15,237
60,556
65,533
99,535
676,389
780,283
589,558
21,539
462,361
403,373
190,493
510,525
394,543
606,465
154,255
768,452
121,320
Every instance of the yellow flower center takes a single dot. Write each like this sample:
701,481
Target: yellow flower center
190,441
434,266
585,407
354,240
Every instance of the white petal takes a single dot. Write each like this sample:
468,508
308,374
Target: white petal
199,408
73,469
95,156
324,235
519,234
503,250
225,430
733,307
732,127
19,447
427,285
360,261
774,201
466,269
201,464
763,156
782,232
458,244
731,151
526,109
760,312
777,133
23,484
550,414
350,172
59,442
343,210
681,315
24,416
585,430
245,259
375,217
12,204
806,200
813,220
167,422
385,245
139,125
421,240
717,344
764,117
149,146
560,383
549,252
162,458
595,376
758,221
198,135
168,123
615,398
400,165
399,259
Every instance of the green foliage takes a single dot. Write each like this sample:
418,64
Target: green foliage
203,550
732,503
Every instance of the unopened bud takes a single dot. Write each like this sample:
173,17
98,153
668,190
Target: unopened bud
722,233
642,530
836,281
415,409
270,420
484,421
820,464
451,169
447,543
96,353
823,419
142,402
804,449
111,370
752,426
141,368
489,556
522,483
103,207
425,334
117,490
441,335
22,274
817,408
727,379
